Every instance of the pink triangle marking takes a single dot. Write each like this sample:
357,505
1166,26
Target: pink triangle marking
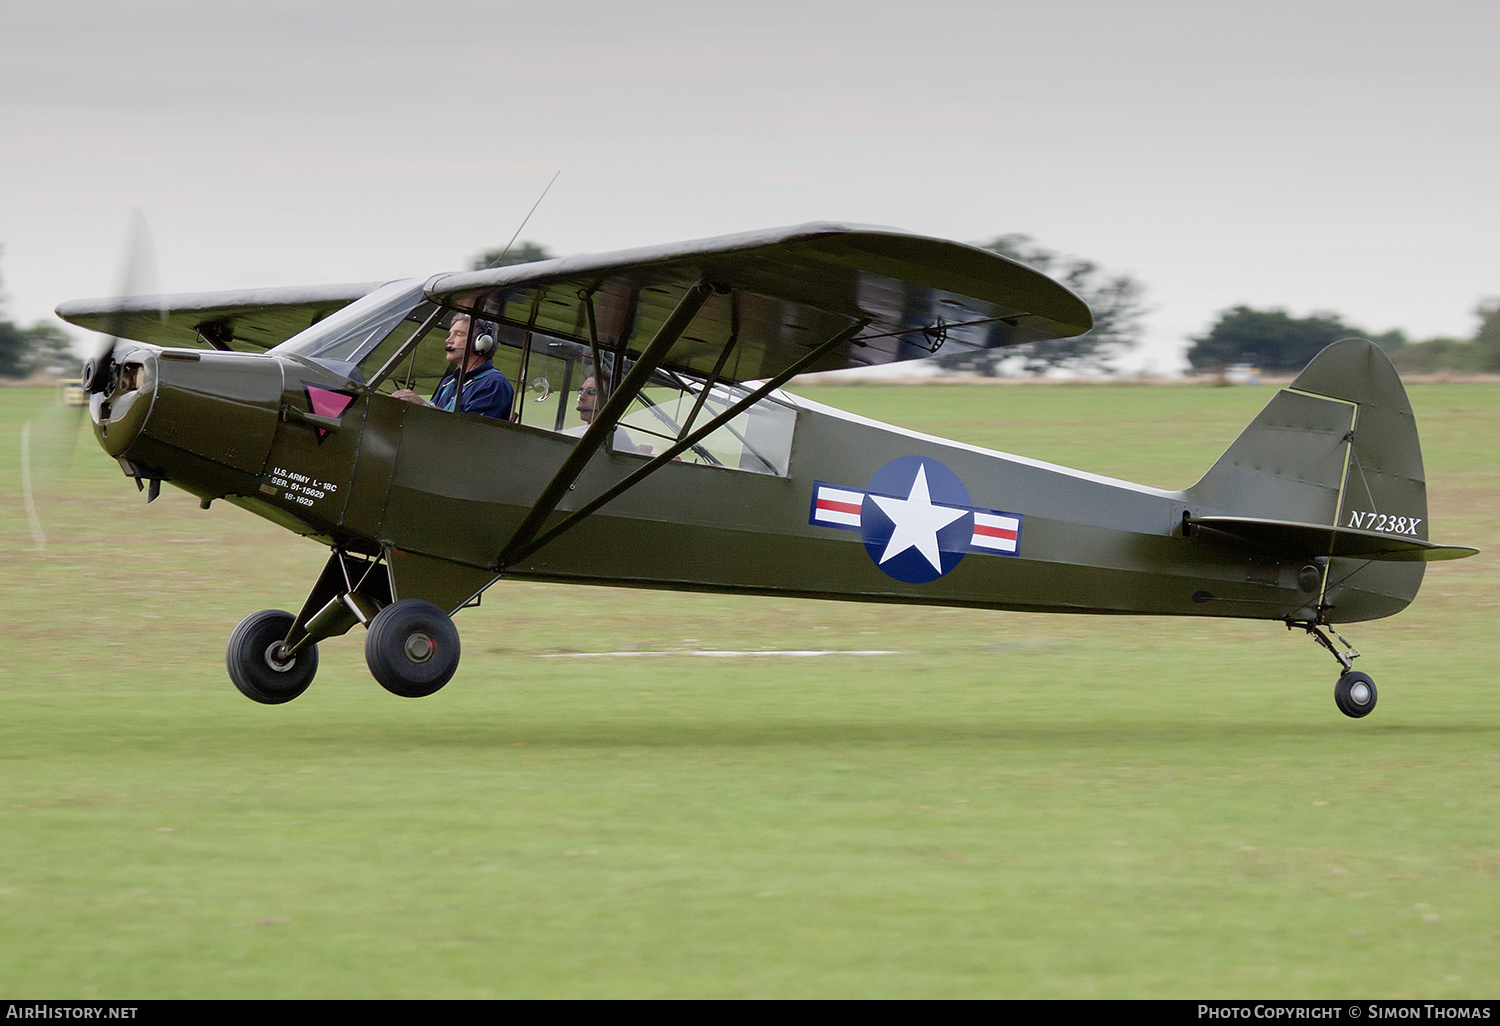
327,404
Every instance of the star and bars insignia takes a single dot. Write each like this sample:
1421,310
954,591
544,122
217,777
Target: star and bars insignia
915,519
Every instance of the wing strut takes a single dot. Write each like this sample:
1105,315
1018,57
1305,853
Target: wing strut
515,552
604,423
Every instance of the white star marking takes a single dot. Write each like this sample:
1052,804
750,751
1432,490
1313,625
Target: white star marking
917,521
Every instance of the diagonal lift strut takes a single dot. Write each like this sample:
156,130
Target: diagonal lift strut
603,426
516,552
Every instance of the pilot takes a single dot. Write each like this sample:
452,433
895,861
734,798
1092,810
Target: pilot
487,391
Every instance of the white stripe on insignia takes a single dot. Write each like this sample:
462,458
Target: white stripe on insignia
837,506
995,532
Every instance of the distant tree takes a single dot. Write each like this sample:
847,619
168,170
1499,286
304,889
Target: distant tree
1114,299
52,351
42,346
1480,354
1433,355
15,347
520,253
1274,340
1487,338
15,351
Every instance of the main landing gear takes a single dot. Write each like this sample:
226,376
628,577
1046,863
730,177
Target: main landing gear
260,664
411,646
1354,693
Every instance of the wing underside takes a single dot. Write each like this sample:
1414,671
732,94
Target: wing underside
778,295
248,320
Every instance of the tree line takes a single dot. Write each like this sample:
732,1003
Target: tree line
1273,340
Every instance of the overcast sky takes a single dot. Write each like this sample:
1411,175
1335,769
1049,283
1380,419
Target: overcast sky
1339,156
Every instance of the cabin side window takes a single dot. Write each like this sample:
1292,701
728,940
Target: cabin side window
559,385
565,390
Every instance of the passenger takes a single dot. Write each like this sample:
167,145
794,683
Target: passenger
487,391
588,404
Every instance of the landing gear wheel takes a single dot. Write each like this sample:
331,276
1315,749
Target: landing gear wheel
412,648
1354,694
257,665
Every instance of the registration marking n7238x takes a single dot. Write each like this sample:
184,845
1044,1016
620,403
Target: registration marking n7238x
1384,522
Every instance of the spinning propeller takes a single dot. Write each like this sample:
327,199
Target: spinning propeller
49,440
136,277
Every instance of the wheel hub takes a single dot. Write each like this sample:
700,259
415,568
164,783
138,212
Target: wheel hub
419,647
1359,694
277,659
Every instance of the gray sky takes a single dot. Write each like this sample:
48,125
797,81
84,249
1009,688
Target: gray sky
1315,155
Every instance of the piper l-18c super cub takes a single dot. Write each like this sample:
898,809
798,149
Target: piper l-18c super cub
650,444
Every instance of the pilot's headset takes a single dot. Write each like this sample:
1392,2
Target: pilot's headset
485,338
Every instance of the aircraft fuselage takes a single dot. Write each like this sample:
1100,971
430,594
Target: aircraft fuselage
865,511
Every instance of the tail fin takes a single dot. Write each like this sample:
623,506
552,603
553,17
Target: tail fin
1331,472
1295,461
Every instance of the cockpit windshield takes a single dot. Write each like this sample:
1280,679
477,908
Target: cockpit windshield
343,340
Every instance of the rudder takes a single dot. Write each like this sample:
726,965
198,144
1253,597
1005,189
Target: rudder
1337,447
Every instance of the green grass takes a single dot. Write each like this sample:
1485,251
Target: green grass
1014,805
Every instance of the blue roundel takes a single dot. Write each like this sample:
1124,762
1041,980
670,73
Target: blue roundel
916,521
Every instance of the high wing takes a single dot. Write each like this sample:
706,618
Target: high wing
780,294
247,320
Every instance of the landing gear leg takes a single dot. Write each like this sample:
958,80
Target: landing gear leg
1354,693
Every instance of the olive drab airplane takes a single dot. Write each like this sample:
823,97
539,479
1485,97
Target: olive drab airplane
650,444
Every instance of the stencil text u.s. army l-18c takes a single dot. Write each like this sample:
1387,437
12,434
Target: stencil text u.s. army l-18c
684,465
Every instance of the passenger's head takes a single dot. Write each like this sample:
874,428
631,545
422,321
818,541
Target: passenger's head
588,396
588,399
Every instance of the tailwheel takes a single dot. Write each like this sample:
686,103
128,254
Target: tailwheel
412,648
1354,694
258,661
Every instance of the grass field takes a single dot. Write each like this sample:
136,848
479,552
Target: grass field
1011,806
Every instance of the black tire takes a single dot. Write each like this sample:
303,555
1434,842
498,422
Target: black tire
252,661
412,648
1354,694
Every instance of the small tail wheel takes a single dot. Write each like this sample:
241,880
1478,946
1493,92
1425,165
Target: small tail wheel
1354,694
412,648
257,664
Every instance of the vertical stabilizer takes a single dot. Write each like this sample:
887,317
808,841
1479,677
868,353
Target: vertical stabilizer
1385,485
1336,447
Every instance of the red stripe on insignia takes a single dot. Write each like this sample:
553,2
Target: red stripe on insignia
838,507
1007,533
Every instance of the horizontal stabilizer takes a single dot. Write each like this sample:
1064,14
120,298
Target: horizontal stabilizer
1288,538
